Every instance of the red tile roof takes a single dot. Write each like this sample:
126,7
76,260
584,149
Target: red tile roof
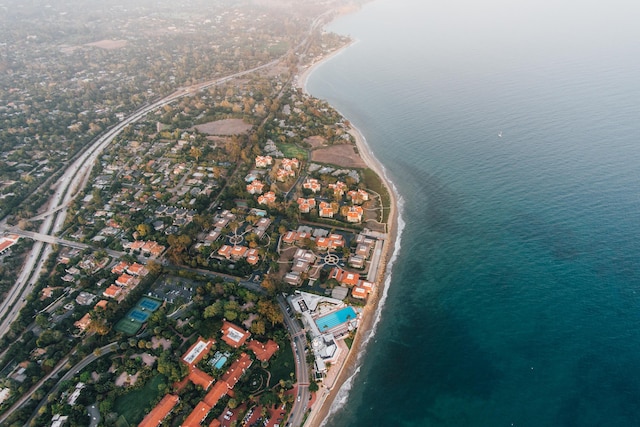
262,351
237,368
196,416
197,351
234,335
218,390
200,378
162,409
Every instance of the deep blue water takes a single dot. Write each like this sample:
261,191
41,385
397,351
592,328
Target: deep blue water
515,299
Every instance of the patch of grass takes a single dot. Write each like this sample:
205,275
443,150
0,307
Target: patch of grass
133,406
292,150
349,342
282,364
373,182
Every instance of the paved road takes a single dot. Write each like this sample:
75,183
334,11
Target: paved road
299,343
73,180
61,365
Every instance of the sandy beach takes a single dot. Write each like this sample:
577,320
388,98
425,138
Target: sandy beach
327,394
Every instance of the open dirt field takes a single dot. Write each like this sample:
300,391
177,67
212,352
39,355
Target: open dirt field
340,155
315,141
224,127
109,44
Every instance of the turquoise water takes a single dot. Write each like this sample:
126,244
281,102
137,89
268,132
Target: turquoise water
336,318
511,134
220,363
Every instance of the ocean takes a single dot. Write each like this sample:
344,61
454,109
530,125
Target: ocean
512,135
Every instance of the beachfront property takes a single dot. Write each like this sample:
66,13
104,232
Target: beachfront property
326,320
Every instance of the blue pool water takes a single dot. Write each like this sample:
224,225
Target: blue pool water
220,363
339,317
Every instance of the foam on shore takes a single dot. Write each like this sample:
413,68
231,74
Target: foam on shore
339,394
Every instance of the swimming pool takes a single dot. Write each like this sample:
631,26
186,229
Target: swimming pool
334,319
220,363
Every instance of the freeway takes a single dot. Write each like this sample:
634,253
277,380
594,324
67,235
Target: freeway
58,241
73,180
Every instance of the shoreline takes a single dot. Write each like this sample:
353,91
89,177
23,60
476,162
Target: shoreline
323,406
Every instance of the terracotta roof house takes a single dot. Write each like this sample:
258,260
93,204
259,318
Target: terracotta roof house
290,237
358,292
160,412
200,378
338,188
262,351
219,389
125,280
238,251
137,269
263,161
252,256
235,371
225,251
234,335
255,187
120,267
325,210
196,416
267,198
355,214
312,184
101,304
305,205
112,291
289,164
358,197
330,242
344,277
83,323
197,351
7,241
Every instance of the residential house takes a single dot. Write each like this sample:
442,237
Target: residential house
234,335
263,161
354,214
312,184
267,198
305,205
160,411
326,210
255,187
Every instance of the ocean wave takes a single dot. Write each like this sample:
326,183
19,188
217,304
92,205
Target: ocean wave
343,392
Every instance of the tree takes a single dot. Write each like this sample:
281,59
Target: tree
270,311
143,230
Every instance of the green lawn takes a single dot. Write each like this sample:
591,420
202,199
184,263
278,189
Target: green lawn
292,150
133,406
282,364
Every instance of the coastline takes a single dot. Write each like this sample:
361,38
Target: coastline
323,406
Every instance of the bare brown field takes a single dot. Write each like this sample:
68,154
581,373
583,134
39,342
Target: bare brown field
109,44
343,155
224,127
315,141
